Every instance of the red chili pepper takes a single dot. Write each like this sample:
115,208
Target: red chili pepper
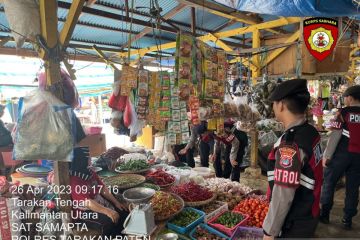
192,192
160,177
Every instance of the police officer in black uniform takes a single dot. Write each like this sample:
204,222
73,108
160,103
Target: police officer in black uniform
342,156
294,166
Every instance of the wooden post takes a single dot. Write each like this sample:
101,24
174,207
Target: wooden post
254,148
49,24
256,58
193,21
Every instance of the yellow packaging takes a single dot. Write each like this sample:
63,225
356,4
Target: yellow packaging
212,124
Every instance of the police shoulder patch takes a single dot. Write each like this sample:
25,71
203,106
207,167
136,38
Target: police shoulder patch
286,156
287,166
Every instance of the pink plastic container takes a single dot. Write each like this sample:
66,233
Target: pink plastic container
93,130
223,229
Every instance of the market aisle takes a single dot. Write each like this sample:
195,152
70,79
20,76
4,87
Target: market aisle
335,230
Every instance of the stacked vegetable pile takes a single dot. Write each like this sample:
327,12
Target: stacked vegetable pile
226,185
230,199
165,205
192,192
133,166
110,157
256,209
160,178
185,218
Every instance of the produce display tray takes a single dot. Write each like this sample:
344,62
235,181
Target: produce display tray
187,229
228,231
223,207
249,233
210,230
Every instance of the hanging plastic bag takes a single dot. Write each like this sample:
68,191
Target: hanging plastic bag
44,129
71,95
136,126
24,18
128,113
118,102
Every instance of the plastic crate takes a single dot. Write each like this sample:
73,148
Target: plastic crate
249,233
223,208
226,230
209,229
188,228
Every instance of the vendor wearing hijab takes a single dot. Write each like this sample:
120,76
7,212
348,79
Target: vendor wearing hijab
111,214
5,135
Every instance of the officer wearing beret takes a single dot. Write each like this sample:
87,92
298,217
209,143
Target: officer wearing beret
294,166
342,156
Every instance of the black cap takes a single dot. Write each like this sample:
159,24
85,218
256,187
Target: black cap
288,88
354,90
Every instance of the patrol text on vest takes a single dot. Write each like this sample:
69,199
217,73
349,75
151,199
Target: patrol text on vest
285,176
355,118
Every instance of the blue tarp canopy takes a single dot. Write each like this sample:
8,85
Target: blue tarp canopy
297,8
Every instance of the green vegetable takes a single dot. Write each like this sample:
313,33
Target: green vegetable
185,218
133,165
122,180
229,219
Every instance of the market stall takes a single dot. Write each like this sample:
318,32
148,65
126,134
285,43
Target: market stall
184,86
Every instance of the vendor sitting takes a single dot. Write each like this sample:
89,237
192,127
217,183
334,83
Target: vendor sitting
5,135
107,213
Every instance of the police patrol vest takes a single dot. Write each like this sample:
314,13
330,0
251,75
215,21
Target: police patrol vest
351,128
307,195
239,135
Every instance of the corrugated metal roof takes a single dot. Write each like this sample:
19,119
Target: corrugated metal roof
104,25
204,19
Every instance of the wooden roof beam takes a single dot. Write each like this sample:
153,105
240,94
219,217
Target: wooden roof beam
146,14
104,58
295,36
225,25
147,30
225,12
260,26
102,27
114,16
71,20
225,34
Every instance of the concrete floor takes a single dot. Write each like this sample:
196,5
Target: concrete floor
334,229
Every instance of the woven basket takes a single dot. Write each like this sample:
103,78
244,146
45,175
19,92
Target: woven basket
135,180
201,203
159,219
167,185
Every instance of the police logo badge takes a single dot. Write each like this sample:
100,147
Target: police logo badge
286,156
320,36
